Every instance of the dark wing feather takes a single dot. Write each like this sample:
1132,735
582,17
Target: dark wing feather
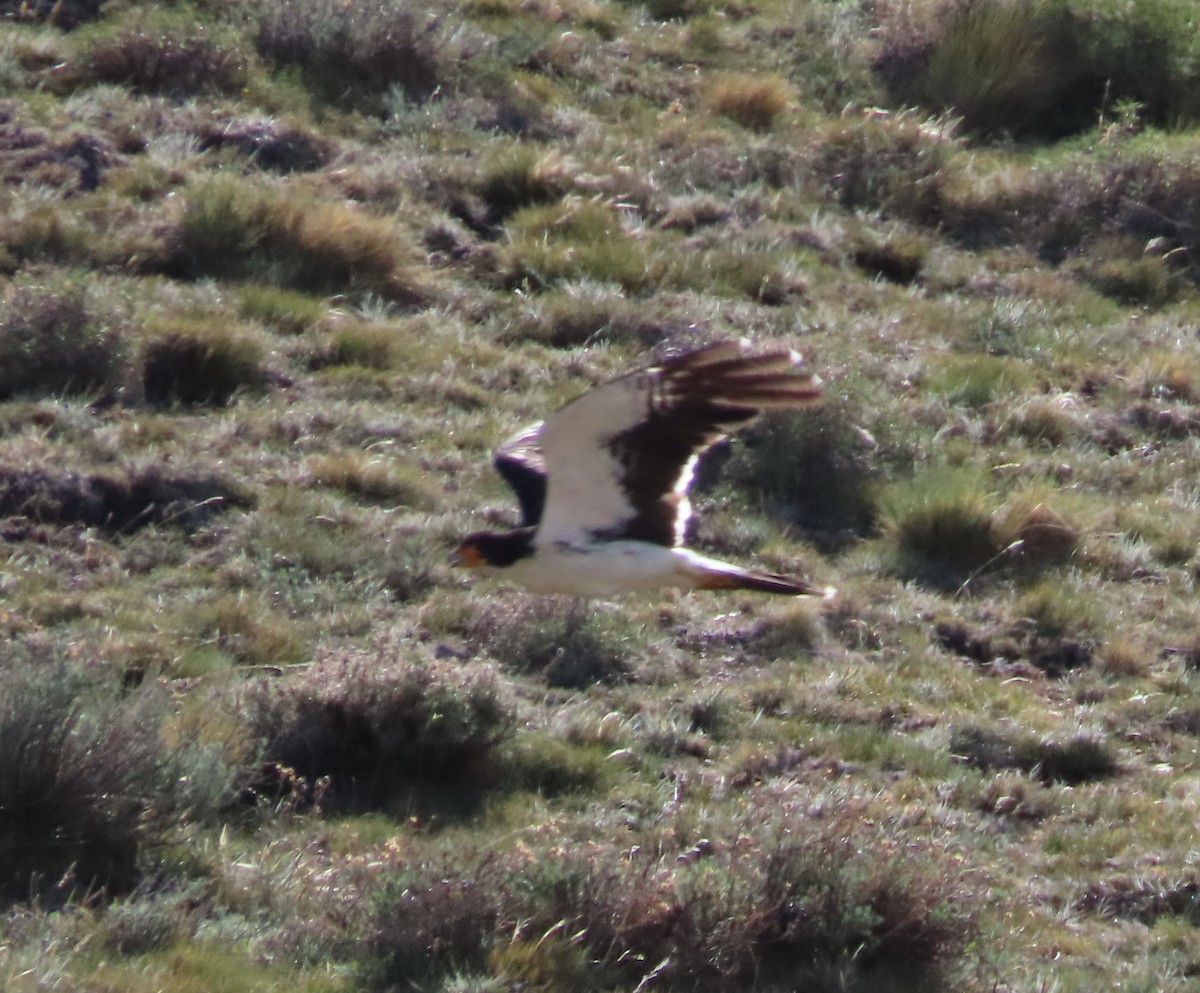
519,460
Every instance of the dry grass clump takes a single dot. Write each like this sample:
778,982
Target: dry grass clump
753,100
235,230
53,342
776,895
162,64
351,56
88,783
379,722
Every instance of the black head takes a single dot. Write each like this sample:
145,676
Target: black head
494,548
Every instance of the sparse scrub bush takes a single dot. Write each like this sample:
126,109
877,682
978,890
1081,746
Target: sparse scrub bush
894,164
117,501
53,342
379,721
812,468
774,895
569,645
148,63
88,785
1082,758
351,56
199,365
752,100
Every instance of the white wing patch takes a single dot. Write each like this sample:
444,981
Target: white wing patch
585,493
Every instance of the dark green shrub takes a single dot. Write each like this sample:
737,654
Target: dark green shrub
66,14
812,468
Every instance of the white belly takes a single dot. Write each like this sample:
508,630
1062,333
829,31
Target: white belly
600,570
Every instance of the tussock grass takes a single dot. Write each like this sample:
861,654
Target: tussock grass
195,364
754,101
941,523
236,230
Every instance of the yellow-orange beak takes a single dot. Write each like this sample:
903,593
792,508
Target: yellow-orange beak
467,556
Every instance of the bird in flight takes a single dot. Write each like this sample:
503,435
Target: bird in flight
603,482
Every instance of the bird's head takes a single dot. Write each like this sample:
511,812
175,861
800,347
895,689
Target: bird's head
493,548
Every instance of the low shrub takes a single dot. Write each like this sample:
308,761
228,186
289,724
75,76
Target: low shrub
53,343
89,785
776,895
811,468
1082,758
377,723
351,55
115,501
162,64
571,645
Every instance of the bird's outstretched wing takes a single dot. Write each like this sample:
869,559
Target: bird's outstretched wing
619,459
519,461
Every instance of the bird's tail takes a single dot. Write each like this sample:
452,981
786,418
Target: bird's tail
733,578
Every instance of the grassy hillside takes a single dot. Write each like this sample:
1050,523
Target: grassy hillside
275,277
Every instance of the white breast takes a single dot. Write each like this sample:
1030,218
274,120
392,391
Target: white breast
600,570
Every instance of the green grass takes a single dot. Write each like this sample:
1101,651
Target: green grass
274,282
